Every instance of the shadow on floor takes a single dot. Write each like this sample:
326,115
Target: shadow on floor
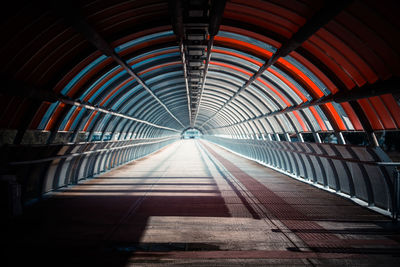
89,230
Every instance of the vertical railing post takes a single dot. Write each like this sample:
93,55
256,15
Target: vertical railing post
396,196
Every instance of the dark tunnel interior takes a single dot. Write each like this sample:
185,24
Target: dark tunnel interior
181,106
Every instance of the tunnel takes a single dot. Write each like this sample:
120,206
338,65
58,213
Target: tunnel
200,132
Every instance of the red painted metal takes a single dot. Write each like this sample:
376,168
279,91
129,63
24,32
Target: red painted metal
358,46
277,74
115,90
393,107
231,67
265,54
301,121
53,119
288,83
321,123
352,116
39,115
317,72
313,88
275,91
382,112
89,121
336,120
71,74
251,34
371,114
319,53
72,119
89,75
349,59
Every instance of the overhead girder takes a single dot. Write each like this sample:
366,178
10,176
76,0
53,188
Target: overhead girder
270,97
257,102
216,97
217,92
221,119
196,36
250,105
274,73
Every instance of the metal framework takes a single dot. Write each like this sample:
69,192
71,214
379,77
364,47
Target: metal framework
247,71
67,11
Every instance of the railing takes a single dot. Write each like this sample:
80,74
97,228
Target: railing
137,143
361,173
396,205
46,168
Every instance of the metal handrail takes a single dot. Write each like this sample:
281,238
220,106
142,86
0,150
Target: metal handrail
86,152
396,192
396,173
375,163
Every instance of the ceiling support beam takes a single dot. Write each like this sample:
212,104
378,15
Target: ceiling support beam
113,113
185,74
329,10
176,11
40,96
389,86
201,90
217,10
71,16
195,24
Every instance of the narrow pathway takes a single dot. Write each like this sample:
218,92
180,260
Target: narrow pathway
194,203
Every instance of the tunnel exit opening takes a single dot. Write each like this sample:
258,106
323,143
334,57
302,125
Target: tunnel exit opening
191,133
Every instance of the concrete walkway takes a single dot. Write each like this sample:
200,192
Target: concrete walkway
194,203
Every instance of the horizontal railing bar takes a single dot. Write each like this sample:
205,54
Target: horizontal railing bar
375,163
86,152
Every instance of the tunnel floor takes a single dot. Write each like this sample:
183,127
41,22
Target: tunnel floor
194,203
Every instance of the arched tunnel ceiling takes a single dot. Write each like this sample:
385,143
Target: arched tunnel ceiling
124,67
